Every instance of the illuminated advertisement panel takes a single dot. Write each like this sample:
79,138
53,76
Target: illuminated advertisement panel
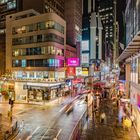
70,71
73,62
85,45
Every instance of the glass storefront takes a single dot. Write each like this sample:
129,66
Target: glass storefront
135,101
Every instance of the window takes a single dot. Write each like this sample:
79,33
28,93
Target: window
39,63
50,24
16,63
16,52
11,5
39,38
30,63
3,1
41,25
23,63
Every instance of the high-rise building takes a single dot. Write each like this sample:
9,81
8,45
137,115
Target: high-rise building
92,29
69,10
106,12
92,46
9,7
73,17
57,6
35,45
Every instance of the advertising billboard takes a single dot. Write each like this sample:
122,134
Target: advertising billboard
85,45
78,71
85,58
73,62
85,71
70,71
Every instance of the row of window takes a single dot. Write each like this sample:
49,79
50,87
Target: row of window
38,38
38,63
38,51
38,26
10,5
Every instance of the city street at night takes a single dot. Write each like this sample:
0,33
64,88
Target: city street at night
38,122
69,69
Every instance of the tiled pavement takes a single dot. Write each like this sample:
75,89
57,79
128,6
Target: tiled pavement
112,130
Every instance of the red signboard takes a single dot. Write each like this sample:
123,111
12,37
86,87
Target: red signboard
76,81
71,71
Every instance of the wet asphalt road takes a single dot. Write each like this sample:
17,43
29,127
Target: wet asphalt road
45,123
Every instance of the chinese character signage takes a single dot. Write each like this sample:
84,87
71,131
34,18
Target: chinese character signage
85,71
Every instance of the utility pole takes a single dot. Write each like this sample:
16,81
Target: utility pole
114,46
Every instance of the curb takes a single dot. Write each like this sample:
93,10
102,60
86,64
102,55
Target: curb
11,131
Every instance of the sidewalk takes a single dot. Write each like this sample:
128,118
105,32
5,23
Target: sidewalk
7,128
112,130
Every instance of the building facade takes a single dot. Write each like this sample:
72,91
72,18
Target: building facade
73,17
8,7
35,45
131,56
55,6
60,7
106,12
92,37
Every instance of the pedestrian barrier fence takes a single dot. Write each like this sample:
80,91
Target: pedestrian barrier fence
77,131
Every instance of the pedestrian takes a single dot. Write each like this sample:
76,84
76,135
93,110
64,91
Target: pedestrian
103,118
21,125
132,119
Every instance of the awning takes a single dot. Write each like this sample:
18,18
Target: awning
132,48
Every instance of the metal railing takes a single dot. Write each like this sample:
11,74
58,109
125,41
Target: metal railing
77,131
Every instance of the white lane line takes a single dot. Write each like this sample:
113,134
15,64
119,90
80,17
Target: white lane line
22,111
58,133
62,108
29,137
44,134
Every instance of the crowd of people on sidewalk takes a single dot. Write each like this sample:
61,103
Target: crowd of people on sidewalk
124,119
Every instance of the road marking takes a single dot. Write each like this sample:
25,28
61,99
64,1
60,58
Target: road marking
58,133
29,137
62,108
22,111
45,134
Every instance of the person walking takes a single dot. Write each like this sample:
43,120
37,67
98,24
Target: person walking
132,119
103,118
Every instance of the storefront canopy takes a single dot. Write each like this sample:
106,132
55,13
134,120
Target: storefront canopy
132,48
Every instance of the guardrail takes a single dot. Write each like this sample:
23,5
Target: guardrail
77,131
